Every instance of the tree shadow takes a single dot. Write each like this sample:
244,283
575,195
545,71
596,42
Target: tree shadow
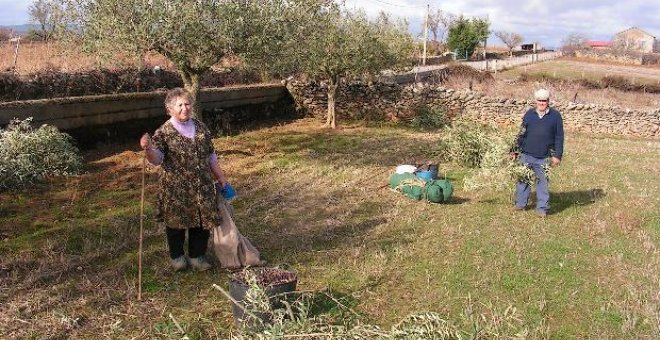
564,200
355,149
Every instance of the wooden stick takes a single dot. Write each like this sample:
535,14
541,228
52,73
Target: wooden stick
176,323
144,166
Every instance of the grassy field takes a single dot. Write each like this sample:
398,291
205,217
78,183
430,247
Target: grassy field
313,199
580,69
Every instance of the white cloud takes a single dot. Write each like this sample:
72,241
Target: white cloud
542,20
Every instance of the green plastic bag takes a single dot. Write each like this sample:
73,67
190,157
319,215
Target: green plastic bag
436,191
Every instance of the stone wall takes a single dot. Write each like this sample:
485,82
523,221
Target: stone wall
624,57
398,102
109,118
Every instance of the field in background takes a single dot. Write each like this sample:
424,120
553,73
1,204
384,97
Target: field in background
37,56
313,199
562,79
581,69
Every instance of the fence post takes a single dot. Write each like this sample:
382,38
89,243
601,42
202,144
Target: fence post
18,43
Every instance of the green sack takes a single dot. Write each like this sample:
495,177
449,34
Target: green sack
436,191
439,190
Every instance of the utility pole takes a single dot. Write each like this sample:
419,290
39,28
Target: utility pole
426,32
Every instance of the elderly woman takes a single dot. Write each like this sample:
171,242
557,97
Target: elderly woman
187,200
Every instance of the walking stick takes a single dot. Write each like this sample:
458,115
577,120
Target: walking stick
144,165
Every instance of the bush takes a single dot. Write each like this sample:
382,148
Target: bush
428,118
29,155
466,142
53,83
484,149
468,72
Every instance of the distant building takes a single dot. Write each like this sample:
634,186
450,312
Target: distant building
533,47
635,39
599,44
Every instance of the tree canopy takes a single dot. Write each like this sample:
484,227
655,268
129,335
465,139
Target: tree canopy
46,14
510,39
348,45
465,35
193,34
279,37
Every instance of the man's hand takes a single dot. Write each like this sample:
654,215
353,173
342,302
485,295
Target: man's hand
513,156
554,161
145,141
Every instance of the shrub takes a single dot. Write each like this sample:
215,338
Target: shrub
430,118
53,83
617,82
466,142
484,149
468,72
28,155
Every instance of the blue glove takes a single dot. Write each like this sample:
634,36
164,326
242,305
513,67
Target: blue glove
228,192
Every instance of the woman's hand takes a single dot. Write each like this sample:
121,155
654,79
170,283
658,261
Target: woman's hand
145,142
554,161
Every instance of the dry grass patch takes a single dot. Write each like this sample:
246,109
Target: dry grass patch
563,82
312,198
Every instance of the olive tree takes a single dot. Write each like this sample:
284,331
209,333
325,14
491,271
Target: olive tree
193,34
340,45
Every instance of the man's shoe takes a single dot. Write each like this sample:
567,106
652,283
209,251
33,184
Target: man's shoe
200,264
517,208
541,214
179,263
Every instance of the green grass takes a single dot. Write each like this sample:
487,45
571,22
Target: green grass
312,199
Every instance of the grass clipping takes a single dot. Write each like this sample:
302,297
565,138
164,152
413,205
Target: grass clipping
300,319
484,149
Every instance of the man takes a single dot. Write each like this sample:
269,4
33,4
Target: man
541,136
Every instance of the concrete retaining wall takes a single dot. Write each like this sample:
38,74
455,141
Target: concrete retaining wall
78,112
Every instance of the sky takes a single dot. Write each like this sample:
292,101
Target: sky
546,21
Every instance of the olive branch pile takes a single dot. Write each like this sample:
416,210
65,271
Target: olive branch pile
484,149
28,155
297,320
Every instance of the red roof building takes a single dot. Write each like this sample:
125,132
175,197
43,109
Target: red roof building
599,44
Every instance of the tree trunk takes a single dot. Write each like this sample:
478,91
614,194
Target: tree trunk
191,83
332,92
